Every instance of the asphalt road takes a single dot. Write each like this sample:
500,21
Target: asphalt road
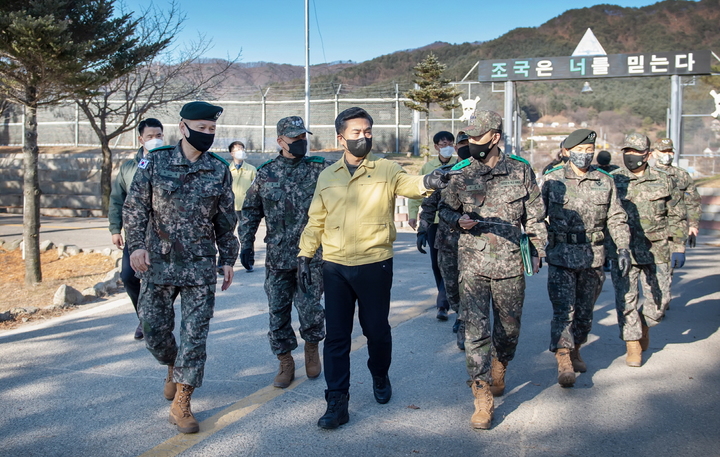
80,385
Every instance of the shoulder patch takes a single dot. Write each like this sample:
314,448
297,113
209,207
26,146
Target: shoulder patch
314,159
167,147
460,165
603,172
212,154
519,159
263,164
556,168
615,172
144,163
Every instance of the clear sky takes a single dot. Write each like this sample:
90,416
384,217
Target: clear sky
274,30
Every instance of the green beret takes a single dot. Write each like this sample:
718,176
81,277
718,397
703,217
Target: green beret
580,136
196,111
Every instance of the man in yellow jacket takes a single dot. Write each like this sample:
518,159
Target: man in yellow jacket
243,175
352,217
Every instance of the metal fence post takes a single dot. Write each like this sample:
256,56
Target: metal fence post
397,118
337,109
77,124
262,119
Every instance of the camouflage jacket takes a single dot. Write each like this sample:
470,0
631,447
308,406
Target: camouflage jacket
281,193
178,211
579,209
686,185
507,199
446,238
656,214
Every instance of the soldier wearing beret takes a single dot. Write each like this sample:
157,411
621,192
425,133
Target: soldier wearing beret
656,216
179,208
493,198
281,193
581,204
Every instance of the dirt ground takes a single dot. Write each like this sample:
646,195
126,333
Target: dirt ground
80,271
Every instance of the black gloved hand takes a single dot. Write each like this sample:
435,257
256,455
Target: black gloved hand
247,258
421,241
677,260
692,239
624,262
439,178
303,273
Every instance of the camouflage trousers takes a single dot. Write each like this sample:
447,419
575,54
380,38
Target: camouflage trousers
655,280
477,294
283,292
573,294
448,264
157,315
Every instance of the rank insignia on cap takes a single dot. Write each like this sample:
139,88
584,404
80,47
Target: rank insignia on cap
143,163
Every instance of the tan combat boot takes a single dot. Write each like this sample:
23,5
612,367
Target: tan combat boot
484,405
634,354
312,360
566,373
170,386
577,362
645,338
286,372
180,413
497,372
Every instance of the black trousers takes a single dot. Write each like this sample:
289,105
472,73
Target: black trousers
131,282
368,285
442,301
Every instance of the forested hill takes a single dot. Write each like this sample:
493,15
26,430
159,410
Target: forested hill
670,25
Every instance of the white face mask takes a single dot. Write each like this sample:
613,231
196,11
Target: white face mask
239,155
665,159
447,151
152,144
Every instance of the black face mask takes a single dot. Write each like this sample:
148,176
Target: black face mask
359,148
198,140
464,152
633,161
480,151
298,148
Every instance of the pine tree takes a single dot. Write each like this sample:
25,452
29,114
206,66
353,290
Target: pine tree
51,50
432,88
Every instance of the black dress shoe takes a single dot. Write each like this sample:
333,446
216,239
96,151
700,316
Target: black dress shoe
337,410
442,314
382,389
139,332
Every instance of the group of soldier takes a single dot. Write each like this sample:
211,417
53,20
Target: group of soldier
330,229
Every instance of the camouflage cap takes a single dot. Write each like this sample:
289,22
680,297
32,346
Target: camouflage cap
580,136
291,127
636,141
195,111
482,122
461,136
664,144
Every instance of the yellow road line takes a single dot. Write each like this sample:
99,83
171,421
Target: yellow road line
182,442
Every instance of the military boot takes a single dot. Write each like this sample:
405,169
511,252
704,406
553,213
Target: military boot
312,360
497,372
577,362
337,410
566,374
634,354
170,387
645,338
180,413
461,336
286,372
484,405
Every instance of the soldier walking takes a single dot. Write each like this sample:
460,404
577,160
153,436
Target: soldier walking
281,193
493,198
581,204
180,206
656,217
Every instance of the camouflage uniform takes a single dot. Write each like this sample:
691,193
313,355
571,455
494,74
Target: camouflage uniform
579,209
690,196
178,211
446,243
656,217
281,193
490,264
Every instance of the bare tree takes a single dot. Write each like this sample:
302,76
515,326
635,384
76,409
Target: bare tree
171,74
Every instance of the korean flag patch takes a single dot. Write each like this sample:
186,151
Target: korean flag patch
143,163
